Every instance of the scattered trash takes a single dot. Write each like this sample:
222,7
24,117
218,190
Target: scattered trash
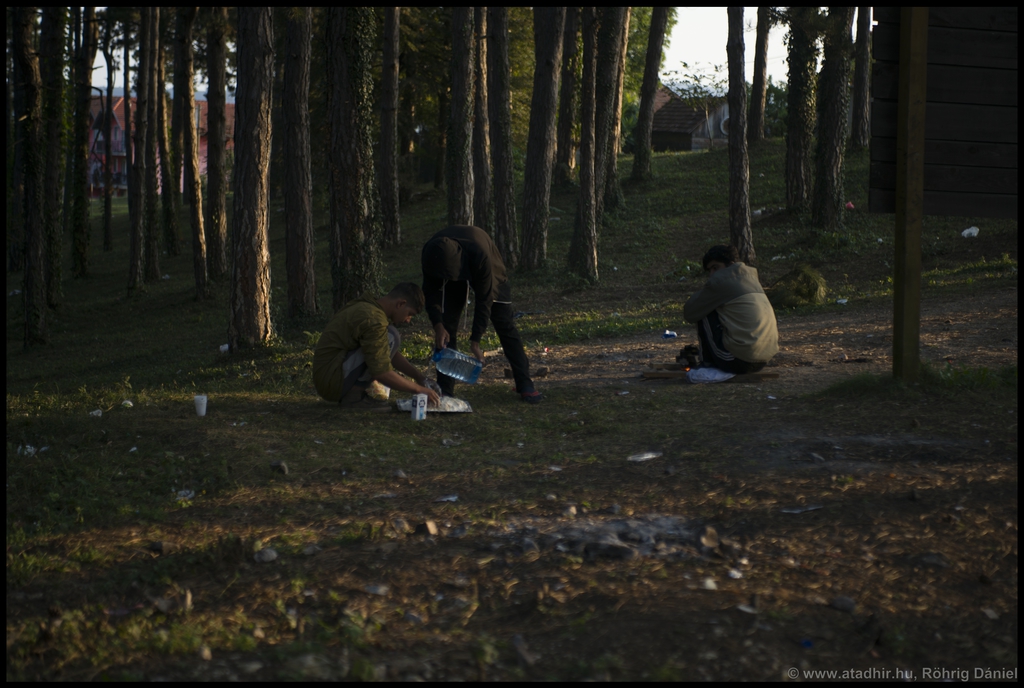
265,556
448,498
669,334
186,495
710,584
280,467
450,443
166,277
556,469
381,590
204,652
970,232
817,458
310,550
127,403
735,574
801,509
569,511
401,526
991,613
26,450
550,497
426,528
709,538
224,348
771,397
15,292
643,456
133,449
700,376
96,414
880,240
621,394
842,302
849,205
746,608
400,474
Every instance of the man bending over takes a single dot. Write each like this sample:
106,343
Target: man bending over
361,344
735,322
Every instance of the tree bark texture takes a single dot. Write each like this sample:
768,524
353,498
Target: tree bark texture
193,183
499,103
389,201
459,160
568,100
759,87
827,208
250,323
645,118
548,30
80,193
175,143
481,128
30,127
16,200
803,58
298,180
739,163
151,270
355,221
609,44
216,224
52,67
137,206
860,131
613,198
108,145
443,116
170,178
583,247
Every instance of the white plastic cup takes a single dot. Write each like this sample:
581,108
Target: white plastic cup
419,406
200,405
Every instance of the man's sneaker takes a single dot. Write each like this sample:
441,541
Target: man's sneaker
533,397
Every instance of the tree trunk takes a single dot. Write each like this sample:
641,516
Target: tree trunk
170,177
193,185
29,120
613,198
216,153
80,193
568,100
52,48
759,89
151,271
108,145
175,143
860,134
389,203
355,221
827,208
739,164
459,156
609,44
443,115
137,206
16,200
548,30
481,129
499,103
298,180
645,118
583,248
803,59
250,323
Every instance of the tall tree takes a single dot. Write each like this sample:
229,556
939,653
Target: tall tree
170,176
137,181
355,221
548,29
611,22
568,100
250,323
612,191
83,119
804,26
739,163
151,270
827,207
390,217
30,131
481,128
175,141
645,119
860,134
298,180
107,48
193,184
583,248
499,103
216,172
55,20
759,89
16,149
459,156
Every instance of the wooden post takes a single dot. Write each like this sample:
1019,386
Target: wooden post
910,118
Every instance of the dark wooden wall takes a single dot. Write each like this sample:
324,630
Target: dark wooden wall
971,117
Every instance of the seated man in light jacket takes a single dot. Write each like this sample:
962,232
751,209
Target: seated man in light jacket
735,321
361,345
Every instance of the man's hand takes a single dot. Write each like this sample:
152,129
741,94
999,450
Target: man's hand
432,396
475,348
440,337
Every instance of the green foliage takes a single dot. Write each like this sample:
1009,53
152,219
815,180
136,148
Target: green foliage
801,286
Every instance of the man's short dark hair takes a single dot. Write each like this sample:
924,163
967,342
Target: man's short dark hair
411,292
726,255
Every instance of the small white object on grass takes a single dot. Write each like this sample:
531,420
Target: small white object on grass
970,232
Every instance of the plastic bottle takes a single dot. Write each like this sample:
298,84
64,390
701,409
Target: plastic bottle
458,365
669,334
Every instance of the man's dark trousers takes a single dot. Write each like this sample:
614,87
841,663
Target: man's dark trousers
713,351
455,294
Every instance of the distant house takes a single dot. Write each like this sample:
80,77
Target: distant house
680,127
97,148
